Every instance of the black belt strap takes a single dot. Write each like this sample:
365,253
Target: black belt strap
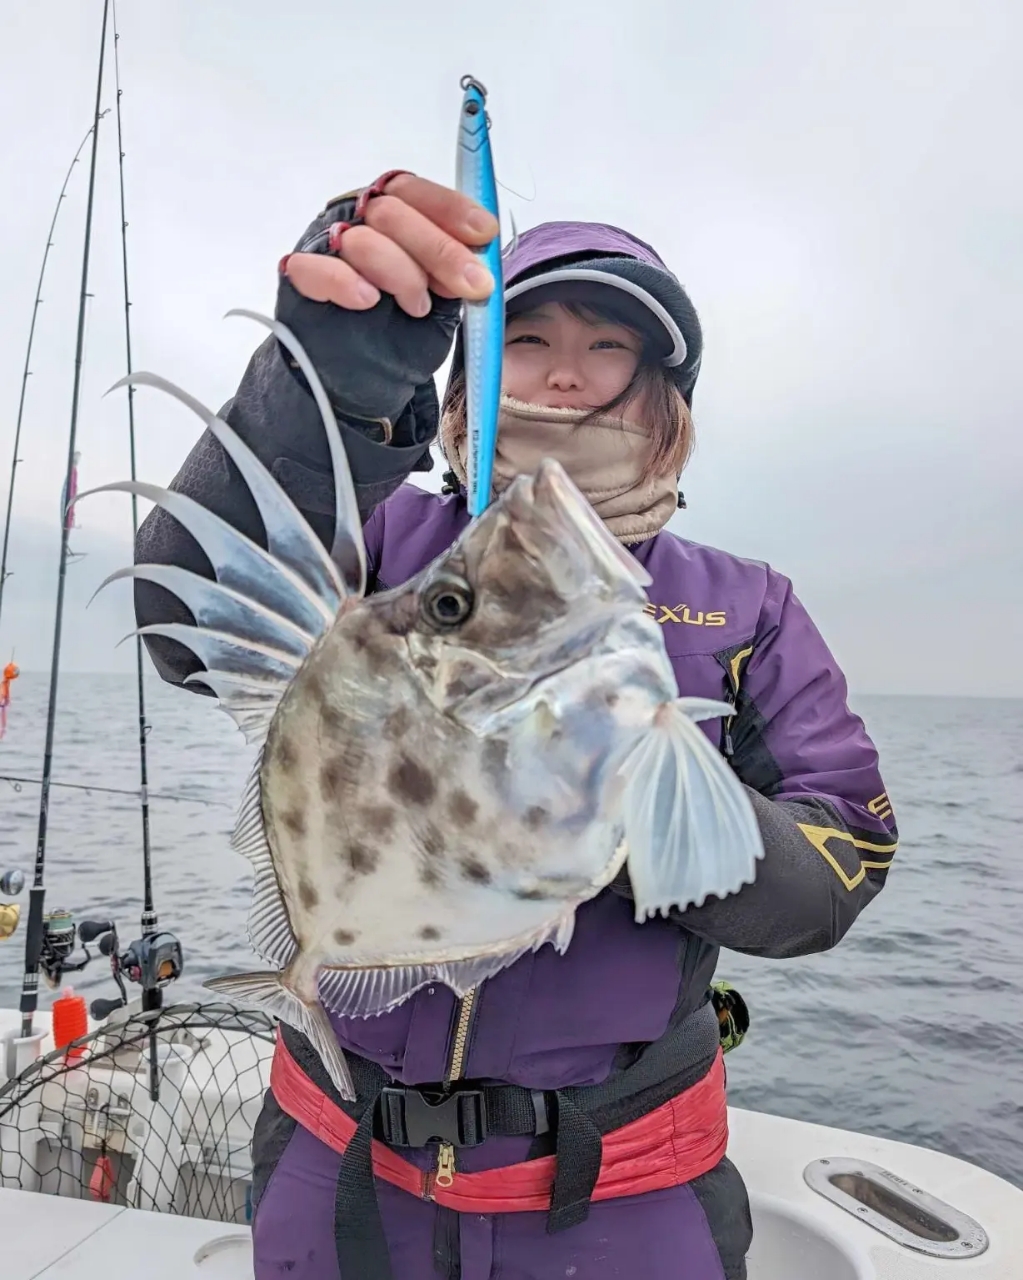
358,1228
577,1167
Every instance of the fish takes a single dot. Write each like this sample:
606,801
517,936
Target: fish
482,322
446,770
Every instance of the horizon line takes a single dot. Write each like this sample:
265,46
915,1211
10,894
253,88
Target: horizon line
855,693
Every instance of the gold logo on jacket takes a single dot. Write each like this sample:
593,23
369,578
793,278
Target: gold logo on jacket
684,614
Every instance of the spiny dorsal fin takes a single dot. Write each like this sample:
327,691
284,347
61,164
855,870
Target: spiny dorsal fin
348,550
289,537
258,620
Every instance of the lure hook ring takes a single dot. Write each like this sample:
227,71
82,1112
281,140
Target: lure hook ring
470,82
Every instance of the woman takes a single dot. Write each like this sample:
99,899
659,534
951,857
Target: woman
568,1117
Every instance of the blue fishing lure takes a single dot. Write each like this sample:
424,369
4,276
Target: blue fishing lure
482,322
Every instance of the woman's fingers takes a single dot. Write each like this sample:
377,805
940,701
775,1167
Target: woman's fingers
328,279
383,262
448,209
417,237
445,260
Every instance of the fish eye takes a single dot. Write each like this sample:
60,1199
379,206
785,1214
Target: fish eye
447,602
472,107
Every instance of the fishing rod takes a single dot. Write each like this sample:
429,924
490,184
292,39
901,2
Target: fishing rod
165,943
37,893
27,373
149,917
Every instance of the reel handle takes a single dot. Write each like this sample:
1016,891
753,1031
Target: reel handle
89,930
101,1008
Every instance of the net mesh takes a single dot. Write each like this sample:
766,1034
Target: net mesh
82,1121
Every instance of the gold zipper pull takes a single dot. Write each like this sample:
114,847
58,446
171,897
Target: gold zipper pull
445,1165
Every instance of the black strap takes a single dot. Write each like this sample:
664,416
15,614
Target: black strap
577,1166
358,1228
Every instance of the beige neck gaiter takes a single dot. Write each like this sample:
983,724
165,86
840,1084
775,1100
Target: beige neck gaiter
604,457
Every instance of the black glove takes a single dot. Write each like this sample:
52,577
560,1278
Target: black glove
370,362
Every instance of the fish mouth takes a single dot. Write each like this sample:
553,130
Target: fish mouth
561,504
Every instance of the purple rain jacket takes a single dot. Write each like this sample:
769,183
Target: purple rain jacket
732,628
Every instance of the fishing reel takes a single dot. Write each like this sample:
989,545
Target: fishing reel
11,884
58,944
153,962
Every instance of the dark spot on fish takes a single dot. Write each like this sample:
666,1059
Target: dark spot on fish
397,723
285,754
358,640
314,686
612,697
462,808
462,684
410,781
429,875
344,937
646,681
331,719
379,818
294,820
332,776
474,870
536,817
517,596
429,934
495,755
308,895
529,895
361,858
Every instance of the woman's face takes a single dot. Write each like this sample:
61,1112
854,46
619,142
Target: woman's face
553,358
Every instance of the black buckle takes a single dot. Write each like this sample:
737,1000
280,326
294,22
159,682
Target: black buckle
410,1119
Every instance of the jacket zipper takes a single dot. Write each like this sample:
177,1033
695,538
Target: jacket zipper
445,1174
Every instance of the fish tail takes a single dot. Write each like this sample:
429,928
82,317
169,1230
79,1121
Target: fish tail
271,992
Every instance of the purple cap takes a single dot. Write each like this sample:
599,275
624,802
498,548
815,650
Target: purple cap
559,239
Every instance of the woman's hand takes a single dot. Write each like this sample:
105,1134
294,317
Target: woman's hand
417,236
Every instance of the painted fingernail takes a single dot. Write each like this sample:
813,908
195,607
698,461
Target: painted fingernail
367,294
480,221
477,277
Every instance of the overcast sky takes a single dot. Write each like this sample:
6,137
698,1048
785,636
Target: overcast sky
839,186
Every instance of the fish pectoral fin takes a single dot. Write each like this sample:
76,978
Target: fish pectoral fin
269,992
366,993
689,825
